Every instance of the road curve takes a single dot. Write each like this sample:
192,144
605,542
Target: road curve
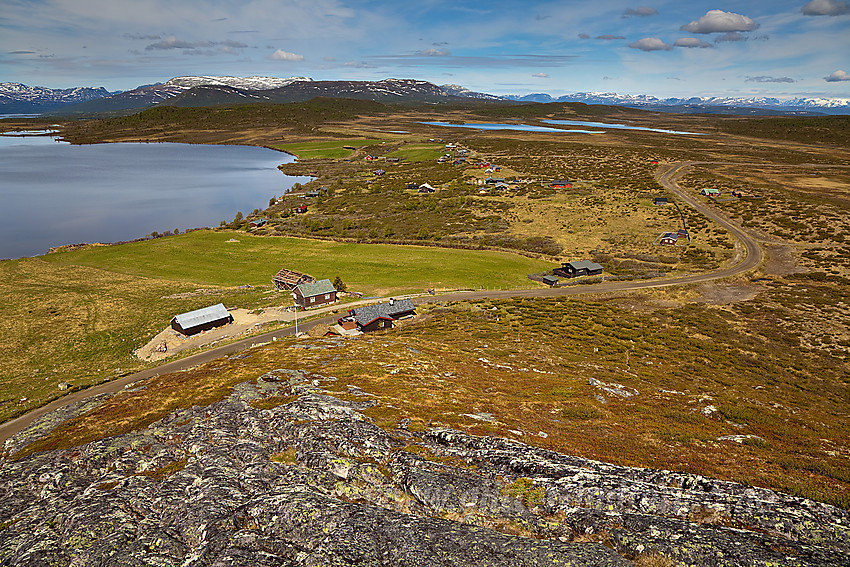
752,259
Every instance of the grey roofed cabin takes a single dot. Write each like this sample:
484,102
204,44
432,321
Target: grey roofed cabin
550,280
381,315
579,268
193,322
314,294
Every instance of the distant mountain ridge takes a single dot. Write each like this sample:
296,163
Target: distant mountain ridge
205,90
696,104
17,98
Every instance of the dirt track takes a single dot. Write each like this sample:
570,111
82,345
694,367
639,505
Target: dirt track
748,258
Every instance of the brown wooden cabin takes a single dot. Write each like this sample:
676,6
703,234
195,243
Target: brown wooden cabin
380,316
577,269
310,295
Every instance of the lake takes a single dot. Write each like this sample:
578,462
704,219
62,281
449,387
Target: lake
519,127
54,193
618,126
531,128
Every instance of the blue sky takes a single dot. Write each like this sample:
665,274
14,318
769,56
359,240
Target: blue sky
663,48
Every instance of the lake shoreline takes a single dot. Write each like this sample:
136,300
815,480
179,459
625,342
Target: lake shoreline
110,193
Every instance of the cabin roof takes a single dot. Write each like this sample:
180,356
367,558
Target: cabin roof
367,314
585,264
316,288
201,316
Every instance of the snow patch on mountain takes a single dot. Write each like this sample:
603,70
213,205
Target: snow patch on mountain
254,83
609,98
457,90
41,95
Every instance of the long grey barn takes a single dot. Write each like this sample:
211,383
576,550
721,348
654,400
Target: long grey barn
194,322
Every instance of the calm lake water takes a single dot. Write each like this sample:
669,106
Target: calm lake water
530,128
53,193
520,127
617,126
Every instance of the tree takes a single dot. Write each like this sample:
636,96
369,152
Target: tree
239,216
339,285
273,200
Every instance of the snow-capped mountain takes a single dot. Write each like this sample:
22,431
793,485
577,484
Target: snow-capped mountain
457,90
148,95
20,98
245,83
697,104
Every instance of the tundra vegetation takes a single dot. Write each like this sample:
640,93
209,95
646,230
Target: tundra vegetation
762,355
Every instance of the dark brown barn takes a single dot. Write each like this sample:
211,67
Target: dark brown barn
194,322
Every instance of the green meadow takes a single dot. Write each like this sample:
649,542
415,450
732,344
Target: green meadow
208,258
327,150
77,316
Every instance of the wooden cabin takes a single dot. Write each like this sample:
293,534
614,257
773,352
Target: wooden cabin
578,269
193,322
380,316
314,294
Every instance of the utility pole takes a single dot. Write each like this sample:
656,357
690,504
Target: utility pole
295,305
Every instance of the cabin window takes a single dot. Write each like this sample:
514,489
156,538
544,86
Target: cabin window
312,300
327,296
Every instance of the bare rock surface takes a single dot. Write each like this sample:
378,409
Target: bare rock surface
314,482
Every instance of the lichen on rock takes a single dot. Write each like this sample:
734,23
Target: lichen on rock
209,486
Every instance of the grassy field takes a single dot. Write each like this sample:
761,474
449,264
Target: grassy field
324,150
767,351
691,375
207,258
77,316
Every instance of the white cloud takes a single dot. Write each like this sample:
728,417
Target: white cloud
541,75
640,11
433,52
172,42
718,21
730,36
609,36
766,79
650,44
281,55
826,8
583,36
691,42
837,77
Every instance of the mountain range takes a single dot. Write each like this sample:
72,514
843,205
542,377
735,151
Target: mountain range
211,90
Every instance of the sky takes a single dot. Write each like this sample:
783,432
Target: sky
775,48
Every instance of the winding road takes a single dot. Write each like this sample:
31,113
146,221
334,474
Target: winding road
748,256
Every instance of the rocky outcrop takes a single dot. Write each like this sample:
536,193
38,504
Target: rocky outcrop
314,482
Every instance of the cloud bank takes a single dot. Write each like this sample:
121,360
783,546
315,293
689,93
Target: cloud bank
650,44
640,11
766,79
691,42
718,21
826,8
281,55
837,77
